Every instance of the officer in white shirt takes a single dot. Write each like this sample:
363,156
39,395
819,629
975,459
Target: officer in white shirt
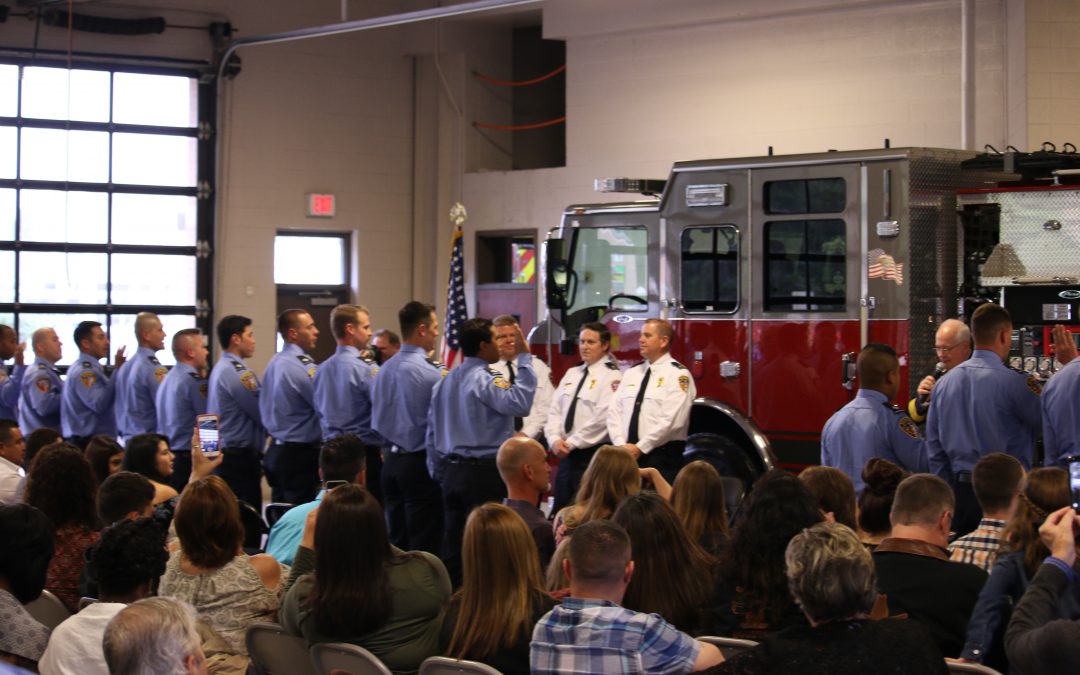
577,420
506,331
651,412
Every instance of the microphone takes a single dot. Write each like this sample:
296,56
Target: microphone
939,370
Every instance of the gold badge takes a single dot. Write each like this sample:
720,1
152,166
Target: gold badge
501,383
160,373
684,383
88,378
908,427
248,380
592,383
659,382
42,385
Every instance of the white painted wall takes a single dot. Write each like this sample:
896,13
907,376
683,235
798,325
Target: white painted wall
1053,71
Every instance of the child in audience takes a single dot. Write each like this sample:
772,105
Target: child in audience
698,499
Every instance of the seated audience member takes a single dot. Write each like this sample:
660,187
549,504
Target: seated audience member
612,475
62,486
523,466
754,597
1039,639
154,636
38,439
402,593
12,456
834,492
149,455
913,566
1047,490
125,495
880,480
998,480
591,633
341,460
501,592
831,576
125,563
698,499
673,577
105,455
230,589
24,560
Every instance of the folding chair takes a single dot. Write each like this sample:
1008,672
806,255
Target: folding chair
338,658
955,667
48,609
729,646
274,512
441,665
275,652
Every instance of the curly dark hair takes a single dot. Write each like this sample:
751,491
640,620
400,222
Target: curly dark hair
61,484
129,554
27,550
778,507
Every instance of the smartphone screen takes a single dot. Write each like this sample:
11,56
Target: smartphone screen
1074,481
208,434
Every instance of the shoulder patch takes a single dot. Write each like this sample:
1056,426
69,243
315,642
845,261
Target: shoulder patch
501,383
908,427
678,365
43,384
160,372
615,385
311,371
248,380
88,378
684,383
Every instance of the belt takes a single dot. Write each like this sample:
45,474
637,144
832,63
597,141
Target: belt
315,444
398,450
470,461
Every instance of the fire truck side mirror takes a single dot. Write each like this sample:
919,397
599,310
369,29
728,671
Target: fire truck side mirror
557,277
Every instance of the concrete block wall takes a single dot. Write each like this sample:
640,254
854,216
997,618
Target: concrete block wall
1053,71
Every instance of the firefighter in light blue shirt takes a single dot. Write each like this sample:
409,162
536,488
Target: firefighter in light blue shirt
180,398
472,413
137,385
87,403
287,404
401,395
42,387
982,407
10,385
871,425
1060,401
234,397
343,381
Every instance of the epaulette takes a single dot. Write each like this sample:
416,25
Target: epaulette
42,366
638,363
678,365
195,376
611,365
494,373
305,359
154,360
367,359
86,364
238,367
434,361
893,407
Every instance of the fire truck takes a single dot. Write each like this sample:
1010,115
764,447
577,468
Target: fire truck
775,270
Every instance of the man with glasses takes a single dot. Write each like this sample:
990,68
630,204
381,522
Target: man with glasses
952,344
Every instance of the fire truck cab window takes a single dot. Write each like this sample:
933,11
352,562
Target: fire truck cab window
805,266
609,269
710,269
815,195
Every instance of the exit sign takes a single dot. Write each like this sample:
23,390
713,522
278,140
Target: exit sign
320,206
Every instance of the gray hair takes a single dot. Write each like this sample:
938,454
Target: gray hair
830,573
154,636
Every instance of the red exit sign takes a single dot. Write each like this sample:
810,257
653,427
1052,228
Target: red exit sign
320,206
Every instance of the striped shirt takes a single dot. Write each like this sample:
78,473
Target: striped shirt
980,548
597,636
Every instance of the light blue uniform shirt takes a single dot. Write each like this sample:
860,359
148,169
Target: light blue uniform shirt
401,395
473,409
287,401
10,388
343,395
87,404
982,406
867,427
234,396
136,386
1061,414
287,532
41,393
180,398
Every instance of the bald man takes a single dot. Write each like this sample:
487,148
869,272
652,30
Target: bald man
871,425
181,398
42,387
523,467
137,385
952,343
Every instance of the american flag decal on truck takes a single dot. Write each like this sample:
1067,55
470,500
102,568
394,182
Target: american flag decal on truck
883,266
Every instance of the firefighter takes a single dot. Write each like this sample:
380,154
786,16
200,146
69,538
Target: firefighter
577,421
1061,424
650,415
532,425
952,344
137,385
871,425
86,407
983,406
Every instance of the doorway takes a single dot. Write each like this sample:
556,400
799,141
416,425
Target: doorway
311,273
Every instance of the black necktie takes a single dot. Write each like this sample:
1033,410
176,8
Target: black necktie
568,424
518,422
632,432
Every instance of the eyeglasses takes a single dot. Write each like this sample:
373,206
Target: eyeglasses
946,350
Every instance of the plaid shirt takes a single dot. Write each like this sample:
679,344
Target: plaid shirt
980,548
597,636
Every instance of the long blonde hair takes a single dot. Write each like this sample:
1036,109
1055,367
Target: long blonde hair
612,476
502,587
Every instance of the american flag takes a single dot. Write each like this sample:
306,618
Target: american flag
456,309
884,266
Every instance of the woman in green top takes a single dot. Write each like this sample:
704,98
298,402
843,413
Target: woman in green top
348,584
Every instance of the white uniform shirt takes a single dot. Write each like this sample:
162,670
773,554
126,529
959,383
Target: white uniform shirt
10,475
532,425
665,410
590,415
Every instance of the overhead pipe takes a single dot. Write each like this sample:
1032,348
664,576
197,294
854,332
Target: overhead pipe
368,24
967,74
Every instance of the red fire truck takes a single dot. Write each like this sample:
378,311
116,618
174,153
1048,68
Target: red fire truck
776,270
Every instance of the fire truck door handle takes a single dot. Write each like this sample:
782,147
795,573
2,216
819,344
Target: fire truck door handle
848,371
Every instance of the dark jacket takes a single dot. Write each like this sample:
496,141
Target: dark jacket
1038,640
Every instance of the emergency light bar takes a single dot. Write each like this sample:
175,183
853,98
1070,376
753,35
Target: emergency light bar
645,186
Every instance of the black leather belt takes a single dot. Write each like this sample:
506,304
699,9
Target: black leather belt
471,461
